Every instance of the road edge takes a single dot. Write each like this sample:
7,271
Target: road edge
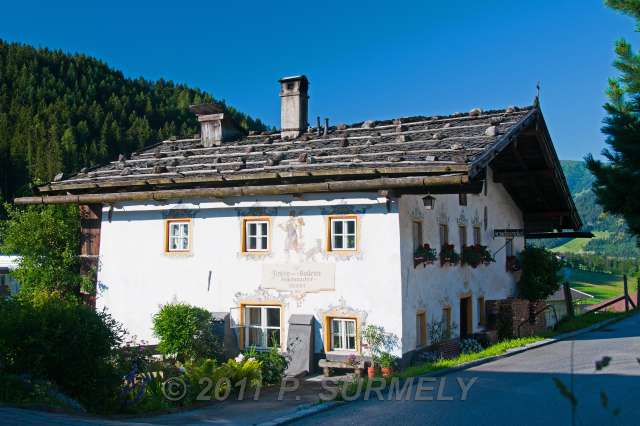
309,410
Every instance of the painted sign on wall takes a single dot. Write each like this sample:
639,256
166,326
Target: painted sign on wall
299,278
508,233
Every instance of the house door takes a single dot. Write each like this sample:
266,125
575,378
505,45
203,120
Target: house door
466,324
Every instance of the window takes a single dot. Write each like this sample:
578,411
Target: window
462,199
508,247
421,329
178,235
477,236
417,235
481,311
256,235
342,233
463,236
446,318
444,234
262,326
486,217
343,334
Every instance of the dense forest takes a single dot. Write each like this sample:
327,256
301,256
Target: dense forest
61,112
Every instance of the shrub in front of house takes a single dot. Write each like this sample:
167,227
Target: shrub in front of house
469,346
70,345
186,332
540,273
273,364
242,368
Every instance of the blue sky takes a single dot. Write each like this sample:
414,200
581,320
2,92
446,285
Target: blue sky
365,60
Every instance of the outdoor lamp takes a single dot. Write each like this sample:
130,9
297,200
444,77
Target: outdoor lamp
428,202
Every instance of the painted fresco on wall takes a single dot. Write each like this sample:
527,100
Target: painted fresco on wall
293,237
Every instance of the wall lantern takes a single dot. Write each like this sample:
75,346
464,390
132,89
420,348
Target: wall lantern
428,202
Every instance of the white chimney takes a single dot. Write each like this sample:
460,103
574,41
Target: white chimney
215,126
294,101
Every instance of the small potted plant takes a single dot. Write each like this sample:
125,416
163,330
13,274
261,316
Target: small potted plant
377,340
386,364
424,254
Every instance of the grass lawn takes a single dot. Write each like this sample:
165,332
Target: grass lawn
497,349
601,285
577,245
583,321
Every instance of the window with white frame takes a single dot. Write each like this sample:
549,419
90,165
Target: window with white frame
256,235
343,334
262,326
178,235
343,233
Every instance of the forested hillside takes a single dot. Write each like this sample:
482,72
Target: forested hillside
612,238
62,112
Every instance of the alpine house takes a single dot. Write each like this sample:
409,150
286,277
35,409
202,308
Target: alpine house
301,237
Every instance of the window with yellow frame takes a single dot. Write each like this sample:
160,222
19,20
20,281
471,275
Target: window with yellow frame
421,329
481,311
178,235
256,235
343,233
342,334
446,318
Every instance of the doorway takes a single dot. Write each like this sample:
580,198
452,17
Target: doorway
466,317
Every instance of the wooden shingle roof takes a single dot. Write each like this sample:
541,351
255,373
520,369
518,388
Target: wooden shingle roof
407,145
436,154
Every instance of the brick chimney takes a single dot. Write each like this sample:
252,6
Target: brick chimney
294,100
215,125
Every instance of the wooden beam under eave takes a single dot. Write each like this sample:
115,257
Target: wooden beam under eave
551,214
424,182
502,177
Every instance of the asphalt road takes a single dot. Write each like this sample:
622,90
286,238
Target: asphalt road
520,390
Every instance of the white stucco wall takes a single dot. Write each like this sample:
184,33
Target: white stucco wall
431,287
136,276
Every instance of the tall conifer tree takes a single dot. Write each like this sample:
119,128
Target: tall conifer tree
617,184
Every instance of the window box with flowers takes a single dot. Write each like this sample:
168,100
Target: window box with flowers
448,255
424,254
476,255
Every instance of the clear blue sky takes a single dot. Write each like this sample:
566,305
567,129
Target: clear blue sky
365,60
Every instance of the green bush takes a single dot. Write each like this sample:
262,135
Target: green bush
273,364
71,345
26,391
469,346
540,273
186,332
241,368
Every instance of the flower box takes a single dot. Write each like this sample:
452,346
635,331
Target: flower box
448,255
476,255
424,254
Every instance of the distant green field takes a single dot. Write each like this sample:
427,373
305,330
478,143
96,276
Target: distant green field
577,245
600,285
